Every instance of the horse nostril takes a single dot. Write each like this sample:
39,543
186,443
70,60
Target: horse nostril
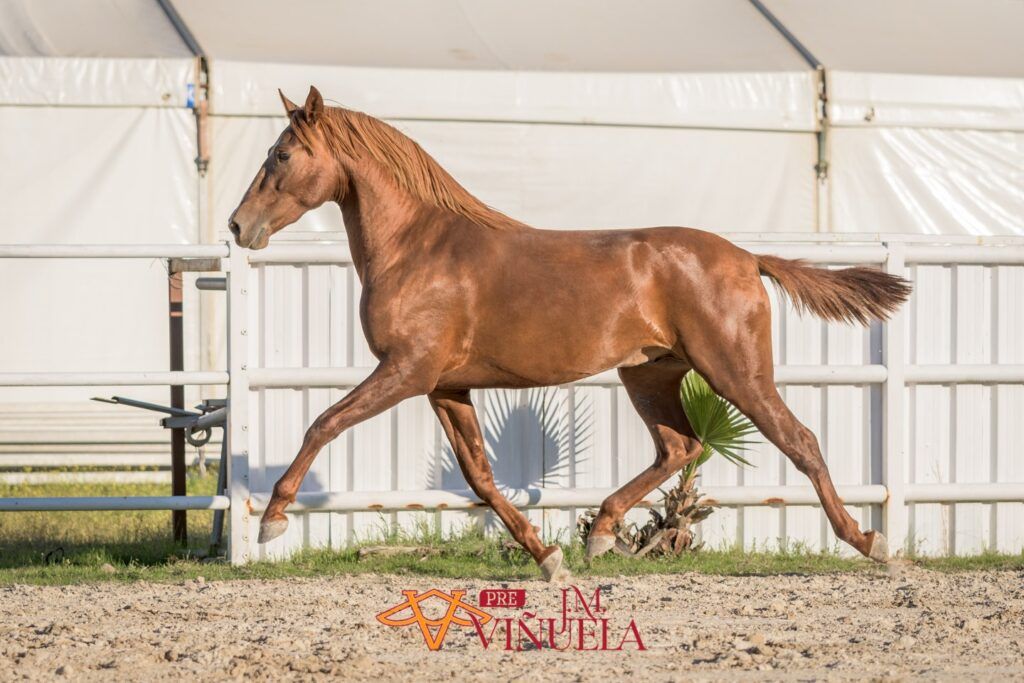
233,227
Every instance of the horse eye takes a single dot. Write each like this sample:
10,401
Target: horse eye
282,155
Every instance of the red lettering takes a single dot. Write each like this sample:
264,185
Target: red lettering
484,640
537,640
583,633
632,628
503,597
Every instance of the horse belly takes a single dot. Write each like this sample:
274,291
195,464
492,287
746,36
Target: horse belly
539,355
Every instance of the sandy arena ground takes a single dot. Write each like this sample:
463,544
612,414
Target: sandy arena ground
914,625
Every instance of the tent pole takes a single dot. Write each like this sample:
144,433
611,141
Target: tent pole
808,56
822,188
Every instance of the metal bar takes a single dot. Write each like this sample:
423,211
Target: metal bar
337,252
267,378
239,542
894,512
212,419
824,253
217,530
86,459
350,377
184,32
808,56
360,501
146,405
965,493
113,251
108,477
965,374
1007,255
103,379
212,284
830,374
176,336
115,503
746,239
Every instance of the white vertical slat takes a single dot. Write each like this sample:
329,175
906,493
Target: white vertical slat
512,434
558,419
535,447
239,539
595,438
371,443
846,446
316,352
972,407
1009,403
931,449
284,415
804,345
340,315
894,514
634,448
447,473
413,449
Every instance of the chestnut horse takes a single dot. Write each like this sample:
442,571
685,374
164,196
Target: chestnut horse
458,296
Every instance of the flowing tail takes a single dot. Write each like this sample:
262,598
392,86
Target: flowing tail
850,295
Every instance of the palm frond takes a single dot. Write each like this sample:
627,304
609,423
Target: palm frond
722,429
718,424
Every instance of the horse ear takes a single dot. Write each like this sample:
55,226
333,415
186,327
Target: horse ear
289,106
314,105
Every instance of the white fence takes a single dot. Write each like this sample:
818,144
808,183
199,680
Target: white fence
919,419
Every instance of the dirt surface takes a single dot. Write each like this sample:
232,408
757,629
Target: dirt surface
911,624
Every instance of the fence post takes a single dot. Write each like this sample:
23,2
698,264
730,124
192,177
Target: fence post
238,402
894,511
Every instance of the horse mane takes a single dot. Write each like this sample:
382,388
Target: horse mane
363,137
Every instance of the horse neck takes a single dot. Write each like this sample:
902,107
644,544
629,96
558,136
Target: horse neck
379,218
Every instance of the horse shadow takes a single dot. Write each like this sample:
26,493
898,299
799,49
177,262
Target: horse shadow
533,438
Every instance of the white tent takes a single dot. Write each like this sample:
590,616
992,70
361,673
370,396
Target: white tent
731,115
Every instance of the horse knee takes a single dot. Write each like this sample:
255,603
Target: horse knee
320,432
678,451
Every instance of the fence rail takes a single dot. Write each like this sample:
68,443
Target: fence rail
893,374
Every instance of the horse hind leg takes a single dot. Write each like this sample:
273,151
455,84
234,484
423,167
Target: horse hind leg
745,376
653,389
778,424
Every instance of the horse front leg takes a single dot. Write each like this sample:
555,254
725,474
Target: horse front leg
389,384
458,418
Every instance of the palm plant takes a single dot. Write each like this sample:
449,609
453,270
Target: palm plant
722,430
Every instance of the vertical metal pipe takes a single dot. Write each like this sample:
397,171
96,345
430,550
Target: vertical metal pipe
217,533
894,455
179,521
239,546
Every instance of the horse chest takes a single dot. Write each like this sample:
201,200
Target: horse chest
388,318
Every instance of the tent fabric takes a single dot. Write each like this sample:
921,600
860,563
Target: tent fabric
877,99
530,35
92,175
97,28
761,100
922,37
928,180
581,176
88,82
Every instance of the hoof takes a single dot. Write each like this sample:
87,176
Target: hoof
598,545
879,550
553,570
271,529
